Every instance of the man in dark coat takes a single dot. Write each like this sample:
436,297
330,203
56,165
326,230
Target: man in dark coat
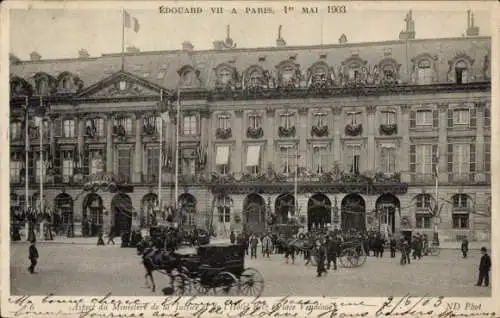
484,268
232,237
393,246
320,253
33,256
405,252
332,250
465,247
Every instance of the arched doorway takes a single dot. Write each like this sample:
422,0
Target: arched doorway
121,207
92,220
63,216
353,212
284,207
319,209
386,207
254,212
187,205
148,203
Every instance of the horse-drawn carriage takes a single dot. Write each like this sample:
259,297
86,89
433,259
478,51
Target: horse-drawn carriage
217,269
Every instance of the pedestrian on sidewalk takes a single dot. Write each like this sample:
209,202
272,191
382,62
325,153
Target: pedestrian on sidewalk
111,236
320,254
465,247
254,241
484,268
33,256
100,240
393,246
405,252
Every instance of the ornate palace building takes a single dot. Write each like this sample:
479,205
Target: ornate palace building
370,126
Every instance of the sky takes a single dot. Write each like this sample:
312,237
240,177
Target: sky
58,33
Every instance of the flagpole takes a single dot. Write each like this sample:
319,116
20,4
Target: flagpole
26,157
295,186
177,151
161,150
436,194
123,39
41,156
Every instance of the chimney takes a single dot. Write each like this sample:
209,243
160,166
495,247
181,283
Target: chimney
409,32
83,54
132,49
343,39
187,46
13,59
34,56
472,30
280,42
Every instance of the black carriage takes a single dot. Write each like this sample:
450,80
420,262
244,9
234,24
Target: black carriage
217,269
351,253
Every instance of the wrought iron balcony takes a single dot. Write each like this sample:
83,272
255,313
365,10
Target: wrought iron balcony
388,129
286,132
224,133
319,131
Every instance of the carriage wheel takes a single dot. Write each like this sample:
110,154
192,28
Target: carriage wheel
434,251
345,257
251,283
361,258
181,285
197,288
223,284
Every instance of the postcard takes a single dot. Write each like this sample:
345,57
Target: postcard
249,159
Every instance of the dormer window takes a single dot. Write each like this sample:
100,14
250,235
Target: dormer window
188,78
424,73
255,79
287,76
42,87
66,84
225,76
461,72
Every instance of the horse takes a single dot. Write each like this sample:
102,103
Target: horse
164,261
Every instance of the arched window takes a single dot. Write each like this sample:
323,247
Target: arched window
225,76
42,86
461,72
66,84
287,76
424,72
255,79
224,209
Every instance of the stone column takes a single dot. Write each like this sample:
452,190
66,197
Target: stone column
138,151
240,151
404,151
480,175
81,134
206,135
52,139
371,131
303,112
109,143
270,133
443,142
337,134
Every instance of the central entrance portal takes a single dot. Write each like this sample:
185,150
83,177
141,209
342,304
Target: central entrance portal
121,207
254,211
353,213
284,208
318,212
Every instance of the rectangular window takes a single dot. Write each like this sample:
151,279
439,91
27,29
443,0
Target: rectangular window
39,166
461,117
96,162
94,127
423,220
460,220
461,159
287,120
423,202
388,162
189,166
189,125
124,163
153,160
151,125
423,163
287,159
355,118
319,119
389,118
69,128
254,121
319,159
126,124
15,170
67,165
253,159
424,118
16,131
224,214
222,159
223,122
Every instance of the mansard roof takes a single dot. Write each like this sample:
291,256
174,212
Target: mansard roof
162,68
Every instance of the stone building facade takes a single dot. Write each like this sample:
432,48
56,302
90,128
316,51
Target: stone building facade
368,124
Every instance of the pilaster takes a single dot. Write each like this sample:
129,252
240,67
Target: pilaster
109,144
404,158
479,175
239,131
443,142
270,133
371,158
303,111
138,151
80,134
206,134
337,128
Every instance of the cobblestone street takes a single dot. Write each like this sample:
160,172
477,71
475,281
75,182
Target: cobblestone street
77,269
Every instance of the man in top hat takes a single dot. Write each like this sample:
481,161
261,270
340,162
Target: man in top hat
484,268
33,256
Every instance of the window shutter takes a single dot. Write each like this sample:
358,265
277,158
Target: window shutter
450,118
472,163
58,157
434,158
86,161
435,118
472,114
57,127
450,160
412,158
413,119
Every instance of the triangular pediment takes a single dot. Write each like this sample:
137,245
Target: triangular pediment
122,84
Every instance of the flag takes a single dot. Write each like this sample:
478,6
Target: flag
436,165
126,19
136,25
